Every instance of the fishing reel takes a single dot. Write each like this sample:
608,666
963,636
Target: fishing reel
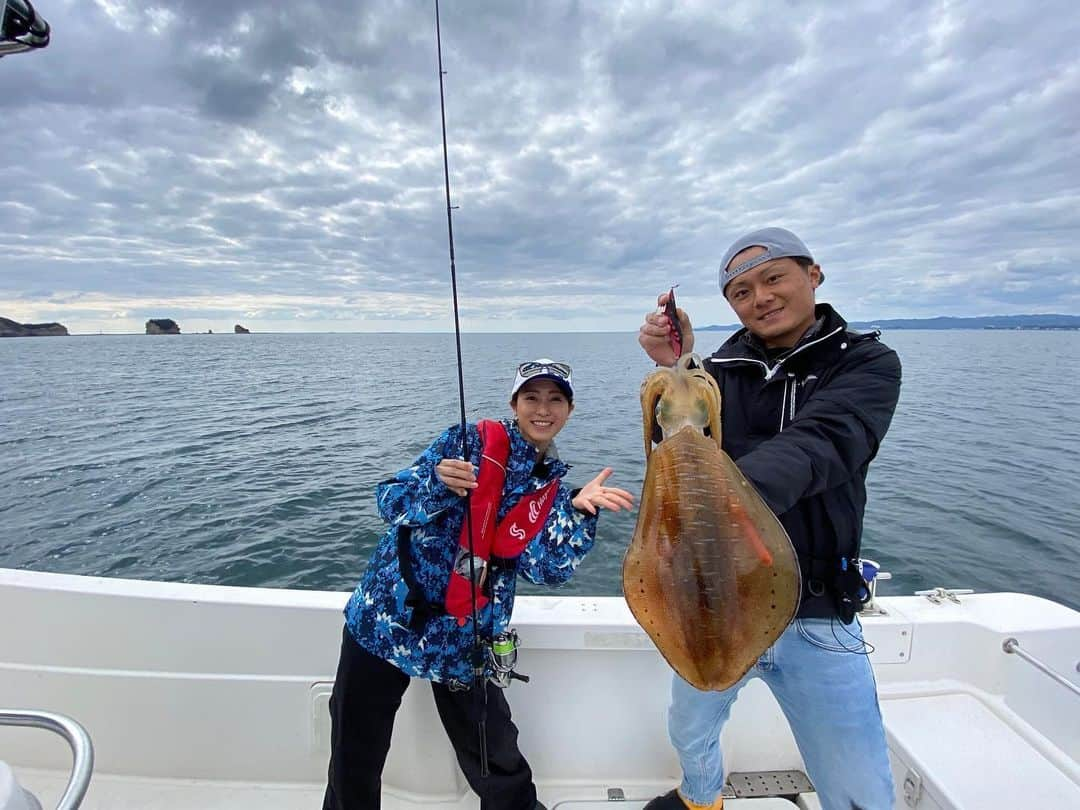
502,657
21,27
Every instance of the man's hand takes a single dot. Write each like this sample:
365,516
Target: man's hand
594,495
654,334
458,475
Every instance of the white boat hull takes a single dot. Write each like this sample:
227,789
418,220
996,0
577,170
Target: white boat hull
207,696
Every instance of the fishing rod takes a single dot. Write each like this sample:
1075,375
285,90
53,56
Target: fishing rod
477,651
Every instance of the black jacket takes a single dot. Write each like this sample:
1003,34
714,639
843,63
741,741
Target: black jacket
803,428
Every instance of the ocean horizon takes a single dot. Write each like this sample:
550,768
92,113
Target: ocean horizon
1032,321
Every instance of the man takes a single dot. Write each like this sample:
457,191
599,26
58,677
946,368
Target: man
805,405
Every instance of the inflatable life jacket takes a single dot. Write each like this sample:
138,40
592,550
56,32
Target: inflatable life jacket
502,541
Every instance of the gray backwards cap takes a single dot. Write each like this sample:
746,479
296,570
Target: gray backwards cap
777,242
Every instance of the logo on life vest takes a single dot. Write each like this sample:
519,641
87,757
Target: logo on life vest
517,531
536,506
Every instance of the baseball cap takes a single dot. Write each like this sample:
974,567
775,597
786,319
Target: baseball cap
778,243
545,369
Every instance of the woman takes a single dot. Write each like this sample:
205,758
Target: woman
412,613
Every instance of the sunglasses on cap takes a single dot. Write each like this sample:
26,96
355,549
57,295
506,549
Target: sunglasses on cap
532,368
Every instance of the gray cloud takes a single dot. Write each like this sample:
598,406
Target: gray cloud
283,163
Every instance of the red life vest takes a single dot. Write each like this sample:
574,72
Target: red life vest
505,540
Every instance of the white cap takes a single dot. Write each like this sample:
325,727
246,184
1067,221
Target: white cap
545,369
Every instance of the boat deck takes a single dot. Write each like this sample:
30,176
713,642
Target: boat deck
207,697
110,792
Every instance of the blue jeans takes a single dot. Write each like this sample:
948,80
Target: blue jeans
825,686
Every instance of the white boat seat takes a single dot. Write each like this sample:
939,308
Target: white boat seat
13,797
967,756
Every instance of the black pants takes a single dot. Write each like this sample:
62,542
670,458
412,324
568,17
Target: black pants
367,694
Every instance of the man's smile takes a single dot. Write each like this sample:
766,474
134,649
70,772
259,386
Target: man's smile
771,315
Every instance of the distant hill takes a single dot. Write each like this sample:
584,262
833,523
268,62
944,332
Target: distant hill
10,328
942,322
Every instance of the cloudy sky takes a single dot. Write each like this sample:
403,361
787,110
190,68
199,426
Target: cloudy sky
279,164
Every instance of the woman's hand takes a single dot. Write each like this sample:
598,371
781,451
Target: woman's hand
653,335
459,476
594,495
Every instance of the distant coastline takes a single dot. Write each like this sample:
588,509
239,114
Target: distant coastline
10,328
154,326
1038,322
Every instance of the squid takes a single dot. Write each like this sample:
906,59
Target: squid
710,575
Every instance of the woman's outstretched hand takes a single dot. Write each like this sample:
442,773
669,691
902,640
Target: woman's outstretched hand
595,495
459,476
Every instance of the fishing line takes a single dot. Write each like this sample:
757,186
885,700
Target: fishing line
866,647
477,651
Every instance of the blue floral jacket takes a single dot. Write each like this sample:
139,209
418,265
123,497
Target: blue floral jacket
377,616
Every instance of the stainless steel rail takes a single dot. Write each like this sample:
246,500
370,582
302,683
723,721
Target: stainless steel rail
1012,646
82,749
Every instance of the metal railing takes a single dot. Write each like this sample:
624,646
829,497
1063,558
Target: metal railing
1012,646
82,749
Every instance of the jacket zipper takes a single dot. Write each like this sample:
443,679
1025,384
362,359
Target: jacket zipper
794,393
788,403
783,403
